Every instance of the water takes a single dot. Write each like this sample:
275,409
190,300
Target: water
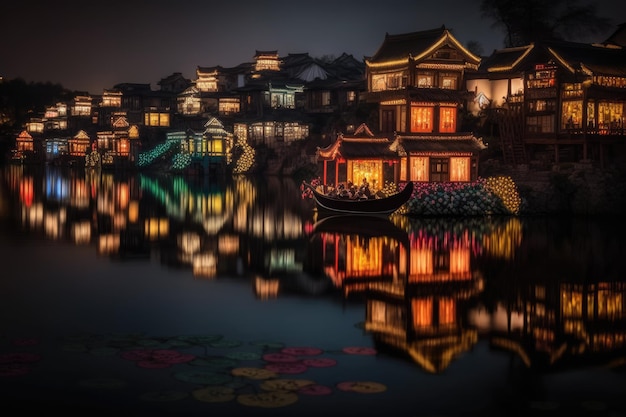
170,296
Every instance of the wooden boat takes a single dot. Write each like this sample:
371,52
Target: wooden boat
370,206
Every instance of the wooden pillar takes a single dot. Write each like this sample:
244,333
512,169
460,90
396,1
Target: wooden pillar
325,174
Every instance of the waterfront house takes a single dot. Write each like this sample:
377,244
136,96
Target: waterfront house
358,157
417,81
554,101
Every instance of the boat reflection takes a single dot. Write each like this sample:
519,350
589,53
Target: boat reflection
432,289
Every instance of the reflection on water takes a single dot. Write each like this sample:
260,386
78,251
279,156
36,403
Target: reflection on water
549,292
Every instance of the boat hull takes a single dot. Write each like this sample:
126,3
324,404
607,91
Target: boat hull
377,206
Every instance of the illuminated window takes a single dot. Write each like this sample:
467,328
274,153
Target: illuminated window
421,119
389,81
425,80
459,169
419,169
447,119
571,114
449,83
229,106
610,115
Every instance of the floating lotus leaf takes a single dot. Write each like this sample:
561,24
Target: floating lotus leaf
272,399
285,384
253,373
225,343
214,394
152,364
203,377
315,389
359,350
362,387
319,362
244,356
286,367
217,362
302,351
137,354
279,357
268,344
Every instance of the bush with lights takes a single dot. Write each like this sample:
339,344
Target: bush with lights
494,195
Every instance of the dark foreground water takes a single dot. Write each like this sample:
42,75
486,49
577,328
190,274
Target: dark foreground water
137,295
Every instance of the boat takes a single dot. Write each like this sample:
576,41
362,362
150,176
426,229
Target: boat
369,206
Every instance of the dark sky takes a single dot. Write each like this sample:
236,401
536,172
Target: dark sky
92,45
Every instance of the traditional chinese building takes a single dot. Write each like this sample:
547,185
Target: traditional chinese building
417,80
554,101
357,157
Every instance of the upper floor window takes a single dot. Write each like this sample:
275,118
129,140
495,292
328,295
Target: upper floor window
448,82
447,119
388,81
421,119
425,80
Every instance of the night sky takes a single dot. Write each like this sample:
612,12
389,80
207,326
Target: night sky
90,46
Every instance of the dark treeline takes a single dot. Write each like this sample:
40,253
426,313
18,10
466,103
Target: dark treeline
20,100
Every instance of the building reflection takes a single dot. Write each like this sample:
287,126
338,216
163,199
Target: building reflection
431,288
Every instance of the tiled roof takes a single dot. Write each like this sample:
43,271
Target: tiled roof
599,60
362,147
504,59
401,46
454,143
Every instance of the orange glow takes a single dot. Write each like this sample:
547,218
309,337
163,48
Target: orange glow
27,191
364,259
459,260
459,169
447,311
421,119
447,119
421,263
123,195
422,312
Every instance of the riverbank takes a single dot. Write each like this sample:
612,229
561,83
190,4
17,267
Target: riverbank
576,188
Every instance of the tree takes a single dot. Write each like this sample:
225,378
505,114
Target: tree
527,21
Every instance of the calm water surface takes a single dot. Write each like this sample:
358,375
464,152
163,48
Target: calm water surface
170,296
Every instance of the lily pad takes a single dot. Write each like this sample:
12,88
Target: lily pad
285,384
273,399
214,394
253,373
362,387
202,377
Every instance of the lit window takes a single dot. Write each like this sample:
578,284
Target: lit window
459,169
424,81
447,119
421,119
